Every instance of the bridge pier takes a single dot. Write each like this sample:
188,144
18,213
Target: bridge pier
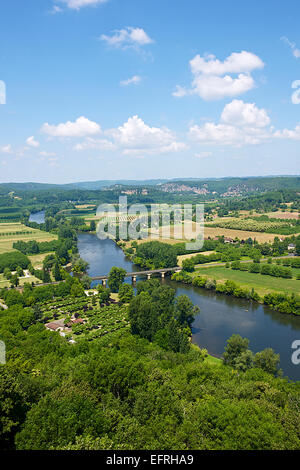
104,281
133,279
162,275
148,277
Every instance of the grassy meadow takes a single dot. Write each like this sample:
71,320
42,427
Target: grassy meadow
261,283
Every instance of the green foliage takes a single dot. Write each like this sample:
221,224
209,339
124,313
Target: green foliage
12,260
154,314
116,278
155,255
104,294
126,293
121,392
188,265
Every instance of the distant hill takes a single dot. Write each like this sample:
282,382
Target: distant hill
224,186
85,185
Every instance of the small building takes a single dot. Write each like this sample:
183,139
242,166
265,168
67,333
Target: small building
57,325
228,240
75,321
291,247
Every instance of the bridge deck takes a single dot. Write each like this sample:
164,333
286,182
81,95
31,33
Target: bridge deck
140,273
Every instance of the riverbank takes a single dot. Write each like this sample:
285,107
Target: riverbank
283,303
220,315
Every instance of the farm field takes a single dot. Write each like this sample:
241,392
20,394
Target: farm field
282,215
213,232
8,235
181,258
261,237
5,283
37,260
262,284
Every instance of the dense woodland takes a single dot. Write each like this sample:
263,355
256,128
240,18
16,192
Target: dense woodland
147,388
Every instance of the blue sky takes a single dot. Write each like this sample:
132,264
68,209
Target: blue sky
137,89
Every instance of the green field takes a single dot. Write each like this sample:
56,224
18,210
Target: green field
9,235
262,284
5,283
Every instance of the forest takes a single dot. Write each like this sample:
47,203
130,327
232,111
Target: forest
142,388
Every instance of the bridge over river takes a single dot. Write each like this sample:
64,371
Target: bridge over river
148,274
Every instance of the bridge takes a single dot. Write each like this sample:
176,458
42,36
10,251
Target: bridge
147,274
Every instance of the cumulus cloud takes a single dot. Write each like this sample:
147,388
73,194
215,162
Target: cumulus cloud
239,113
32,142
131,81
6,149
128,37
77,4
290,134
213,80
136,137
295,50
240,124
82,127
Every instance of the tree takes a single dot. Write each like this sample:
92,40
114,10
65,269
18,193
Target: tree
188,265
93,226
46,276
116,278
56,272
19,271
104,294
126,293
14,280
7,273
13,407
49,262
79,265
86,281
185,310
77,289
236,346
267,360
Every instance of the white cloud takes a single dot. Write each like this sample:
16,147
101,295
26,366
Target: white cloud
295,50
241,124
180,92
56,9
32,143
136,137
77,4
6,149
98,144
290,134
127,37
131,81
211,76
239,113
82,127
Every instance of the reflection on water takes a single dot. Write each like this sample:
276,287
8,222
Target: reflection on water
220,316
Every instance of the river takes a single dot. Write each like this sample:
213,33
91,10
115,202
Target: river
220,316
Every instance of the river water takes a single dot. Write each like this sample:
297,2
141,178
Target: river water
220,316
